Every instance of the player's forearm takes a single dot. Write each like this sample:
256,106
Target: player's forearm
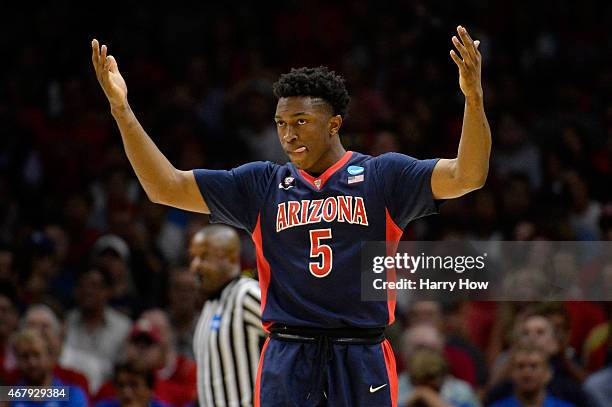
155,173
475,145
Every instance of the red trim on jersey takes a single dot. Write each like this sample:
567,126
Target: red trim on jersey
258,378
328,172
263,268
391,370
393,235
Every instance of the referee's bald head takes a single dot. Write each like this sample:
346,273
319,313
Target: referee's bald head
223,236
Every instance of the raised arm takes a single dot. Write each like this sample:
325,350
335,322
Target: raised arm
162,182
453,178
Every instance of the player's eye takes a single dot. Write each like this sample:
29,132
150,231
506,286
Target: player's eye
280,123
301,121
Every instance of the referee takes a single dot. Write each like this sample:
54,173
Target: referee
229,334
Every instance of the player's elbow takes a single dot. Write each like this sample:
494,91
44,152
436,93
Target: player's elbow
161,191
154,196
473,183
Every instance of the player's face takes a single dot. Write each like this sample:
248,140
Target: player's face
306,129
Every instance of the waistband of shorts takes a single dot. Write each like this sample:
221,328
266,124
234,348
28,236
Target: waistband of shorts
349,336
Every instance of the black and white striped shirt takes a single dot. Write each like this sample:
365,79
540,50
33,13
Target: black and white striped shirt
227,345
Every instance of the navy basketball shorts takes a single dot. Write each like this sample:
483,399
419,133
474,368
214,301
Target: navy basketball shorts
325,373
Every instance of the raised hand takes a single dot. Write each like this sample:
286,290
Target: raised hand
469,63
108,75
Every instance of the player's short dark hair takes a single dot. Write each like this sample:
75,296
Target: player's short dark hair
317,82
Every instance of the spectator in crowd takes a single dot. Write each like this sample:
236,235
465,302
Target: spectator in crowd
36,369
134,386
41,271
530,373
453,391
95,333
516,152
9,319
566,357
535,330
183,301
113,254
427,370
151,347
597,386
455,329
254,105
41,318
462,364
596,347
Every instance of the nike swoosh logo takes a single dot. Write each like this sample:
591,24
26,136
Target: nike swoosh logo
375,389
280,185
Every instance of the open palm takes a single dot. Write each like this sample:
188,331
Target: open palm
108,75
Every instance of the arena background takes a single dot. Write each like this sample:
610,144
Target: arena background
199,79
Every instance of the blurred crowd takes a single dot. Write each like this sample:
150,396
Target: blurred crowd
94,275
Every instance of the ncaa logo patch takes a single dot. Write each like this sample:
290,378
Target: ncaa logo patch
355,170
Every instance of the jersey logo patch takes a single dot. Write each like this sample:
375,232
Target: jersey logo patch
355,178
287,183
355,170
375,389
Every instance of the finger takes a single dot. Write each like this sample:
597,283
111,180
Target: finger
106,70
95,54
95,51
461,48
103,62
456,59
467,41
113,67
478,54
103,54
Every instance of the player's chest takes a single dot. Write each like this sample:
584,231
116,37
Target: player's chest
344,198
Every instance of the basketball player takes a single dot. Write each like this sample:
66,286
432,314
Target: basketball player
308,219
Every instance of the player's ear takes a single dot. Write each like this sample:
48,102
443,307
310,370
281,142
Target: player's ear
334,125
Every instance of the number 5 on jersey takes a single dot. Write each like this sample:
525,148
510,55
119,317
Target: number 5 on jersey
323,266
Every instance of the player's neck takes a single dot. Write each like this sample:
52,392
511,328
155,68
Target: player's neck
329,158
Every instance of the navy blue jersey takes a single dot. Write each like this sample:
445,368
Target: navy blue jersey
308,231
